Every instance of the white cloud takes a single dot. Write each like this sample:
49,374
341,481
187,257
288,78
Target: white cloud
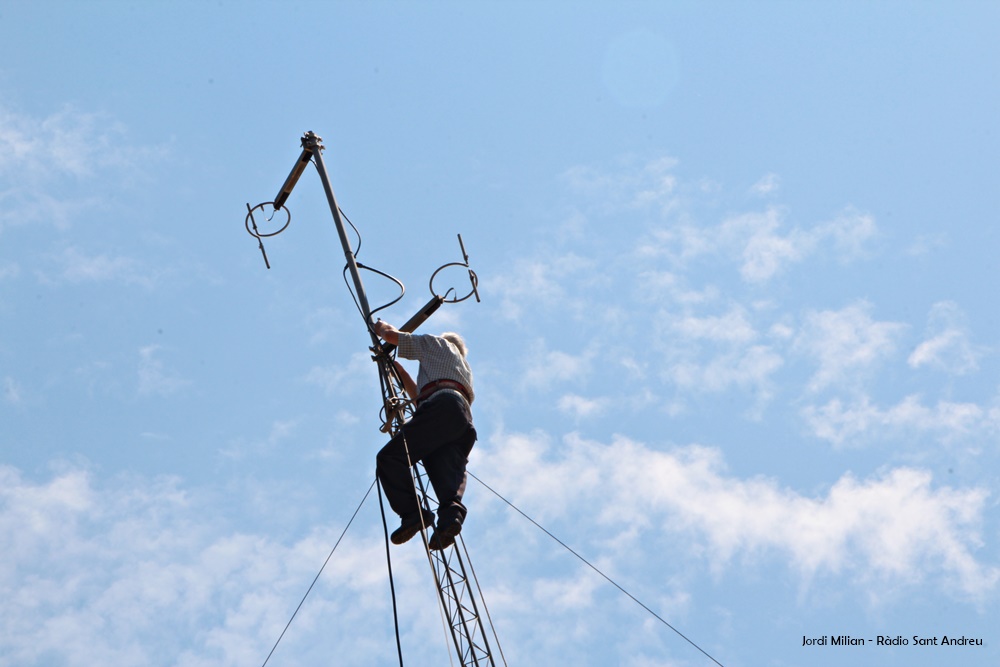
545,368
764,252
947,346
657,285
567,594
538,282
52,158
861,422
143,572
715,353
768,184
748,367
66,142
845,343
581,407
650,184
75,266
358,374
757,242
926,243
733,327
678,243
281,430
154,377
22,206
12,391
896,528
850,232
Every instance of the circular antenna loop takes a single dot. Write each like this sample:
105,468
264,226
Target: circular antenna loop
258,218
472,277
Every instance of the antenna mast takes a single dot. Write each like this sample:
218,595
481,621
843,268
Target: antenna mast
459,597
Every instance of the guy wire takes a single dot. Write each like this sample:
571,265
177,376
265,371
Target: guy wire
594,568
287,625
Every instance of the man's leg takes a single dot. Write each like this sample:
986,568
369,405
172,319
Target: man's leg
437,422
393,470
445,468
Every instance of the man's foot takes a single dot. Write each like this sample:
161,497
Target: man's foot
444,535
411,526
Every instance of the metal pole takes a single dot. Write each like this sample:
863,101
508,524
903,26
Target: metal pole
314,144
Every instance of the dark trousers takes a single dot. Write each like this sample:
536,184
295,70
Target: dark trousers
441,435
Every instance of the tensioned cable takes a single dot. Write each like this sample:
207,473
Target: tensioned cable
392,584
594,568
318,574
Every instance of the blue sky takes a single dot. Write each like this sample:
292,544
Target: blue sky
738,342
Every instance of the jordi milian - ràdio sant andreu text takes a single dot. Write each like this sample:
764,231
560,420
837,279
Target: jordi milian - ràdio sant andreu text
887,640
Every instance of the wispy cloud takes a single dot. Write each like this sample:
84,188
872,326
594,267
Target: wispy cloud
155,378
538,281
12,391
143,571
862,421
748,367
46,161
358,375
545,368
767,185
947,346
766,251
637,184
281,430
846,344
732,327
659,285
581,407
710,353
924,244
895,528
759,243
75,266
68,141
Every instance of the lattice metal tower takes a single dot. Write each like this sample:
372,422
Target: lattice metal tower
460,597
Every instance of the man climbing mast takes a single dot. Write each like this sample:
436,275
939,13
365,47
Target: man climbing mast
440,434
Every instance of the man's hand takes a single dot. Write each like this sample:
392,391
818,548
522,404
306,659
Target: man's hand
386,332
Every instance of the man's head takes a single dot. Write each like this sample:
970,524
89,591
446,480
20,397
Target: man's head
455,340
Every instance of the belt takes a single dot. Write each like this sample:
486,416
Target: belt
432,388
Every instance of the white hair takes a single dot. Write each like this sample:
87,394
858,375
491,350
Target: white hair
457,341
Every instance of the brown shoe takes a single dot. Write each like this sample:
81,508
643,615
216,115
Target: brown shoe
444,536
411,526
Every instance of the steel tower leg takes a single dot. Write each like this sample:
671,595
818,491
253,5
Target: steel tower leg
458,596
